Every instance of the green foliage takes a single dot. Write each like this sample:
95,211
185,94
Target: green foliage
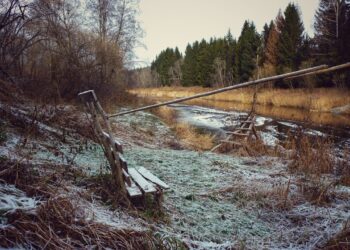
248,44
332,38
291,40
282,47
198,67
163,63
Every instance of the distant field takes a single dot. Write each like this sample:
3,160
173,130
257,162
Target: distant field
320,100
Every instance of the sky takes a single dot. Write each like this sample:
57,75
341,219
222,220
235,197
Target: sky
171,23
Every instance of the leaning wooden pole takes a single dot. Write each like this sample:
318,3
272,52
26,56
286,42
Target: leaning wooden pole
237,86
322,71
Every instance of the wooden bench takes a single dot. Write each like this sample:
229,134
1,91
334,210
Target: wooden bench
134,182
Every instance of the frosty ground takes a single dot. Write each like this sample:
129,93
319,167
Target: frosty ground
216,201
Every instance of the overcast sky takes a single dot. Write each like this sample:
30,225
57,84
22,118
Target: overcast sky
171,23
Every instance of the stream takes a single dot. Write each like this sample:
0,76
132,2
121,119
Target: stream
272,123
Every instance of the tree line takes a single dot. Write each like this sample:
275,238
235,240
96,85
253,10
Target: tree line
283,46
57,48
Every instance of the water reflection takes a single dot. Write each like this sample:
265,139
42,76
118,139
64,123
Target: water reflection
273,123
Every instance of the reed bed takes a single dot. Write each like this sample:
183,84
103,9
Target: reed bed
319,99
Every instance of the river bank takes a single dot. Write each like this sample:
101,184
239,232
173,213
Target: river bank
315,100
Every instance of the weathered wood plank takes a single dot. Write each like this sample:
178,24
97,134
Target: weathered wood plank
126,177
145,185
241,129
118,145
237,133
133,190
149,176
123,162
231,142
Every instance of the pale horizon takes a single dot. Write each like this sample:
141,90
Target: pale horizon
176,23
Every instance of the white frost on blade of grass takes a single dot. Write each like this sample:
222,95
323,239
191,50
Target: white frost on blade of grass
190,175
8,148
12,198
268,138
288,124
117,219
200,213
260,121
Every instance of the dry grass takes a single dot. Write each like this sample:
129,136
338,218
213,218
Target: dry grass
192,138
314,163
311,156
187,134
343,167
168,115
259,195
310,99
341,241
60,224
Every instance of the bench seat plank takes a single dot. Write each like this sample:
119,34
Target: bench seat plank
133,190
149,176
145,185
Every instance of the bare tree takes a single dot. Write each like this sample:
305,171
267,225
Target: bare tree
16,36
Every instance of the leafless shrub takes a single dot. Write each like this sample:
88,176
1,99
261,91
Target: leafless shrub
311,156
343,167
313,161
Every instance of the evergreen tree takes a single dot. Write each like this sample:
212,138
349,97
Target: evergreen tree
248,44
163,63
230,49
291,40
332,35
332,32
264,39
188,78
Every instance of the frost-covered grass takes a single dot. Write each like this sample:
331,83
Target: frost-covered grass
201,211
12,198
215,201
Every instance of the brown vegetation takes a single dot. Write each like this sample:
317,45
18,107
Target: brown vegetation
60,224
52,55
190,136
319,170
60,221
322,100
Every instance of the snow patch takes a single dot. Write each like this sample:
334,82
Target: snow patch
12,198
